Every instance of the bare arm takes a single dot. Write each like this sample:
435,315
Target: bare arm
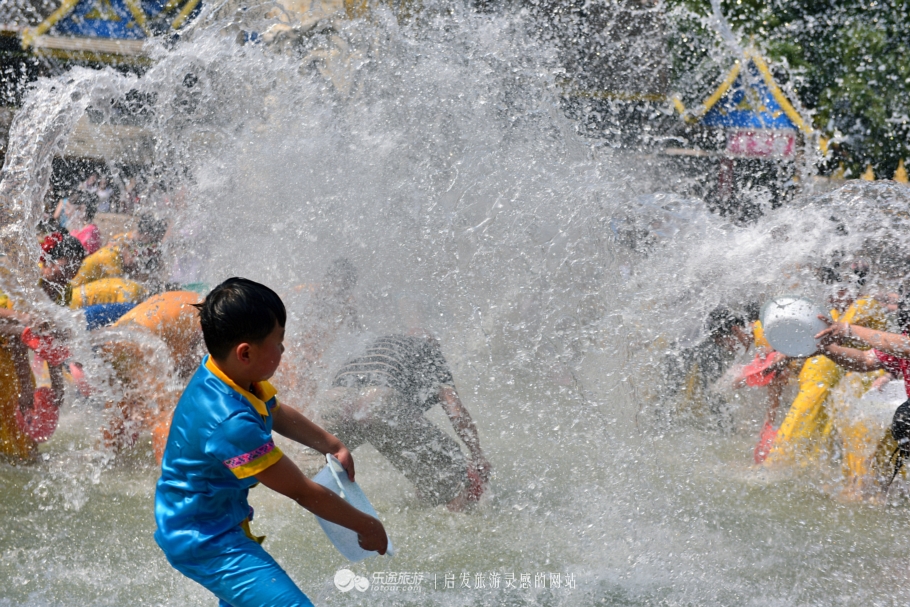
890,343
57,383
464,428
286,478
293,424
851,358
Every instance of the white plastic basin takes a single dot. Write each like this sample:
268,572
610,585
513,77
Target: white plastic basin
791,324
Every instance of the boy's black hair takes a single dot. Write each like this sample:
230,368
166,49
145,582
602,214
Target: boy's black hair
721,320
236,311
752,311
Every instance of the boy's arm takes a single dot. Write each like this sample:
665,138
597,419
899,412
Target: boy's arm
291,423
894,344
57,383
286,478
852,359
465,429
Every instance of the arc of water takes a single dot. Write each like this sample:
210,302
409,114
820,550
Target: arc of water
39,132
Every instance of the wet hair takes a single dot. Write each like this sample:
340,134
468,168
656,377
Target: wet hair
342,272
237,311
151,227
60,245
752,310
900,431
721,320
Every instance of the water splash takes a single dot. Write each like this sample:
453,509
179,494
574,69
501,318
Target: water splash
435,156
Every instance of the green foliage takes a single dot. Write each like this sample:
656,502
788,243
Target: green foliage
849,62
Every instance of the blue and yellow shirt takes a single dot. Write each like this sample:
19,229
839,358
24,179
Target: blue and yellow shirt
220,438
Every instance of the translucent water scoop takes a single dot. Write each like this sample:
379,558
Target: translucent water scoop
334,478
791,324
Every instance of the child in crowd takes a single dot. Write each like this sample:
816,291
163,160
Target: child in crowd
220,444
61,258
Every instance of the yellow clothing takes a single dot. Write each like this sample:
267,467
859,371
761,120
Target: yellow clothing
758,336
13,442
172,318
808,425
865,313
103,263
865,435
107,291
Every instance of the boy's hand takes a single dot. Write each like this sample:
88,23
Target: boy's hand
483,468
345,458
833,333
373,537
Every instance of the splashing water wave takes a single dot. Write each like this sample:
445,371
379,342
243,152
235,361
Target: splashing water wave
434,155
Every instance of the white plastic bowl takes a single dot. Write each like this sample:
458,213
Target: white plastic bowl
334,478
791,324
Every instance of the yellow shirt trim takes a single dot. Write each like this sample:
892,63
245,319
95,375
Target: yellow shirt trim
258,465
266,390
758,335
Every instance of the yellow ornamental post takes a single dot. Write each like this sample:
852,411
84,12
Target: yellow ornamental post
869,175
900,174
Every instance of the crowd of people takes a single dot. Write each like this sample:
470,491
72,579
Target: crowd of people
214,441
213,438
148,332
865,346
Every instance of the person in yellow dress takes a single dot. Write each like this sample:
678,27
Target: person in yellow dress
806,433
862,349
61,257
17,384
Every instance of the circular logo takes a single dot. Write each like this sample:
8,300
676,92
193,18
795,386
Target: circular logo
345,579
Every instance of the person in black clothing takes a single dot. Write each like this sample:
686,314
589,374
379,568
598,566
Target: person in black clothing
690,373
380,398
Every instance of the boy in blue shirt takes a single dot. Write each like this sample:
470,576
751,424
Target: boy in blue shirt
220,444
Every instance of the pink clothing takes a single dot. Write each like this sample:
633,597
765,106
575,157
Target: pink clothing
90,237
898,367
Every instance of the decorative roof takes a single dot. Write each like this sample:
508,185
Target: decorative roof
111,19
748,98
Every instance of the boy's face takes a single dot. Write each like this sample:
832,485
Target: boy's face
265,356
